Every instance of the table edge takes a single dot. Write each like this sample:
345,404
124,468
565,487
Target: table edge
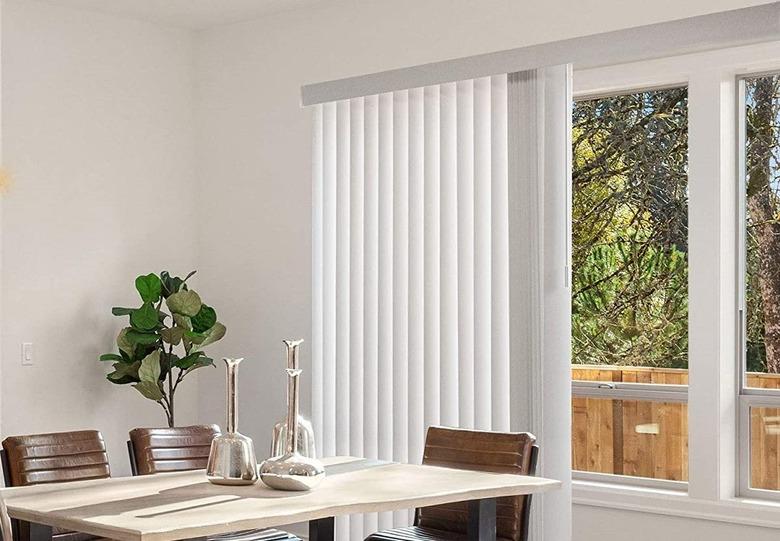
122,534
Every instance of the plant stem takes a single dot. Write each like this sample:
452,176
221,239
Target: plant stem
171,389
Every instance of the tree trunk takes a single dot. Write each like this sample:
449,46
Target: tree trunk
761,206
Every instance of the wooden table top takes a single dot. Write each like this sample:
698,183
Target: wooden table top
184,505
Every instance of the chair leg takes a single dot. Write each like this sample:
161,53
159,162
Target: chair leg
482,520
32,531
322,529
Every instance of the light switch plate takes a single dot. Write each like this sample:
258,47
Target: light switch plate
27,354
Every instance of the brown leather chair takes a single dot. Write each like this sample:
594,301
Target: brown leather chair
500,452
157,450
55,458
160,450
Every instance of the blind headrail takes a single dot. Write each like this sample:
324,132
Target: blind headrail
733,28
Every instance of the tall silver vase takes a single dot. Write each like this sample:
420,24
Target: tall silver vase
305,441
232,459
291,470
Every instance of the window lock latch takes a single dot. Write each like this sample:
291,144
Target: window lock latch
606,386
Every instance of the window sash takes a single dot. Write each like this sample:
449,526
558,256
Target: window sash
747,397
631,391
647,393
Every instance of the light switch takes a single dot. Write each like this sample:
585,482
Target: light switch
27,354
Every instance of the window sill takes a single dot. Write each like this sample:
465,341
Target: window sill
752,512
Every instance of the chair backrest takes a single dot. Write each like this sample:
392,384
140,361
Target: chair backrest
6,533
55,458
500,452
156,450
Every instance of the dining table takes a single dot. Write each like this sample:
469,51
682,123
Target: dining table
184,505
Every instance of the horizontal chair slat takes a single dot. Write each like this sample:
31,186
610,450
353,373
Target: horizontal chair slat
63,475
27,450
180,465
172,453
63,462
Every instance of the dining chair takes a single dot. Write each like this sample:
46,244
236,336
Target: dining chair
162,450
158,450
500,452
59,457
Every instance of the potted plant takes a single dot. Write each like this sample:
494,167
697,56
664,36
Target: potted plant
159,349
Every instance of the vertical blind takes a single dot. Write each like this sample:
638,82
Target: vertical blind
411,273
441,252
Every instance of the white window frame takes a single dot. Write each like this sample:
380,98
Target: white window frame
747,397
715,364
645,392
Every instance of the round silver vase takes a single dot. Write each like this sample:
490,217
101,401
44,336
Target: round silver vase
291,470
232,459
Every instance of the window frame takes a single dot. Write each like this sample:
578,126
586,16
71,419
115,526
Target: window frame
747,397
644,392
714,366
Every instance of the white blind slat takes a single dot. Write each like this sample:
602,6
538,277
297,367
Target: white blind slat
482,250
465,251
343,207
499,227
357,284
371,287
432,263
329,239
400,414
448,277
385,368
416,367
317,274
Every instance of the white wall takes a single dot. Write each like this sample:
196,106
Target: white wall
98,134
600,524
254,157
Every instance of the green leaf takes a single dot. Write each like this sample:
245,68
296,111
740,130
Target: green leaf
186,303
150,389
183,321
150,367
189,360
124,373
203,361
171,284
205,319
172,336
119,311
149,287
145,318
135,337
194,337
213,334
124,342
111,357
165,360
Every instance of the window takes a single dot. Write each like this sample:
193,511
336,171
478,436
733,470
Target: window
760,306
630,285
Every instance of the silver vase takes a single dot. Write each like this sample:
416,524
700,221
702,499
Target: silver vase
291,470
232,459
305,441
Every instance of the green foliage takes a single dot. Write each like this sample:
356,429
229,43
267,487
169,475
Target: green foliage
146,356
630,228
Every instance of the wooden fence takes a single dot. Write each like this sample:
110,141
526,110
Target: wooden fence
650,439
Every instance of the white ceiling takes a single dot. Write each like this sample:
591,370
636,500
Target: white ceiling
195,14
